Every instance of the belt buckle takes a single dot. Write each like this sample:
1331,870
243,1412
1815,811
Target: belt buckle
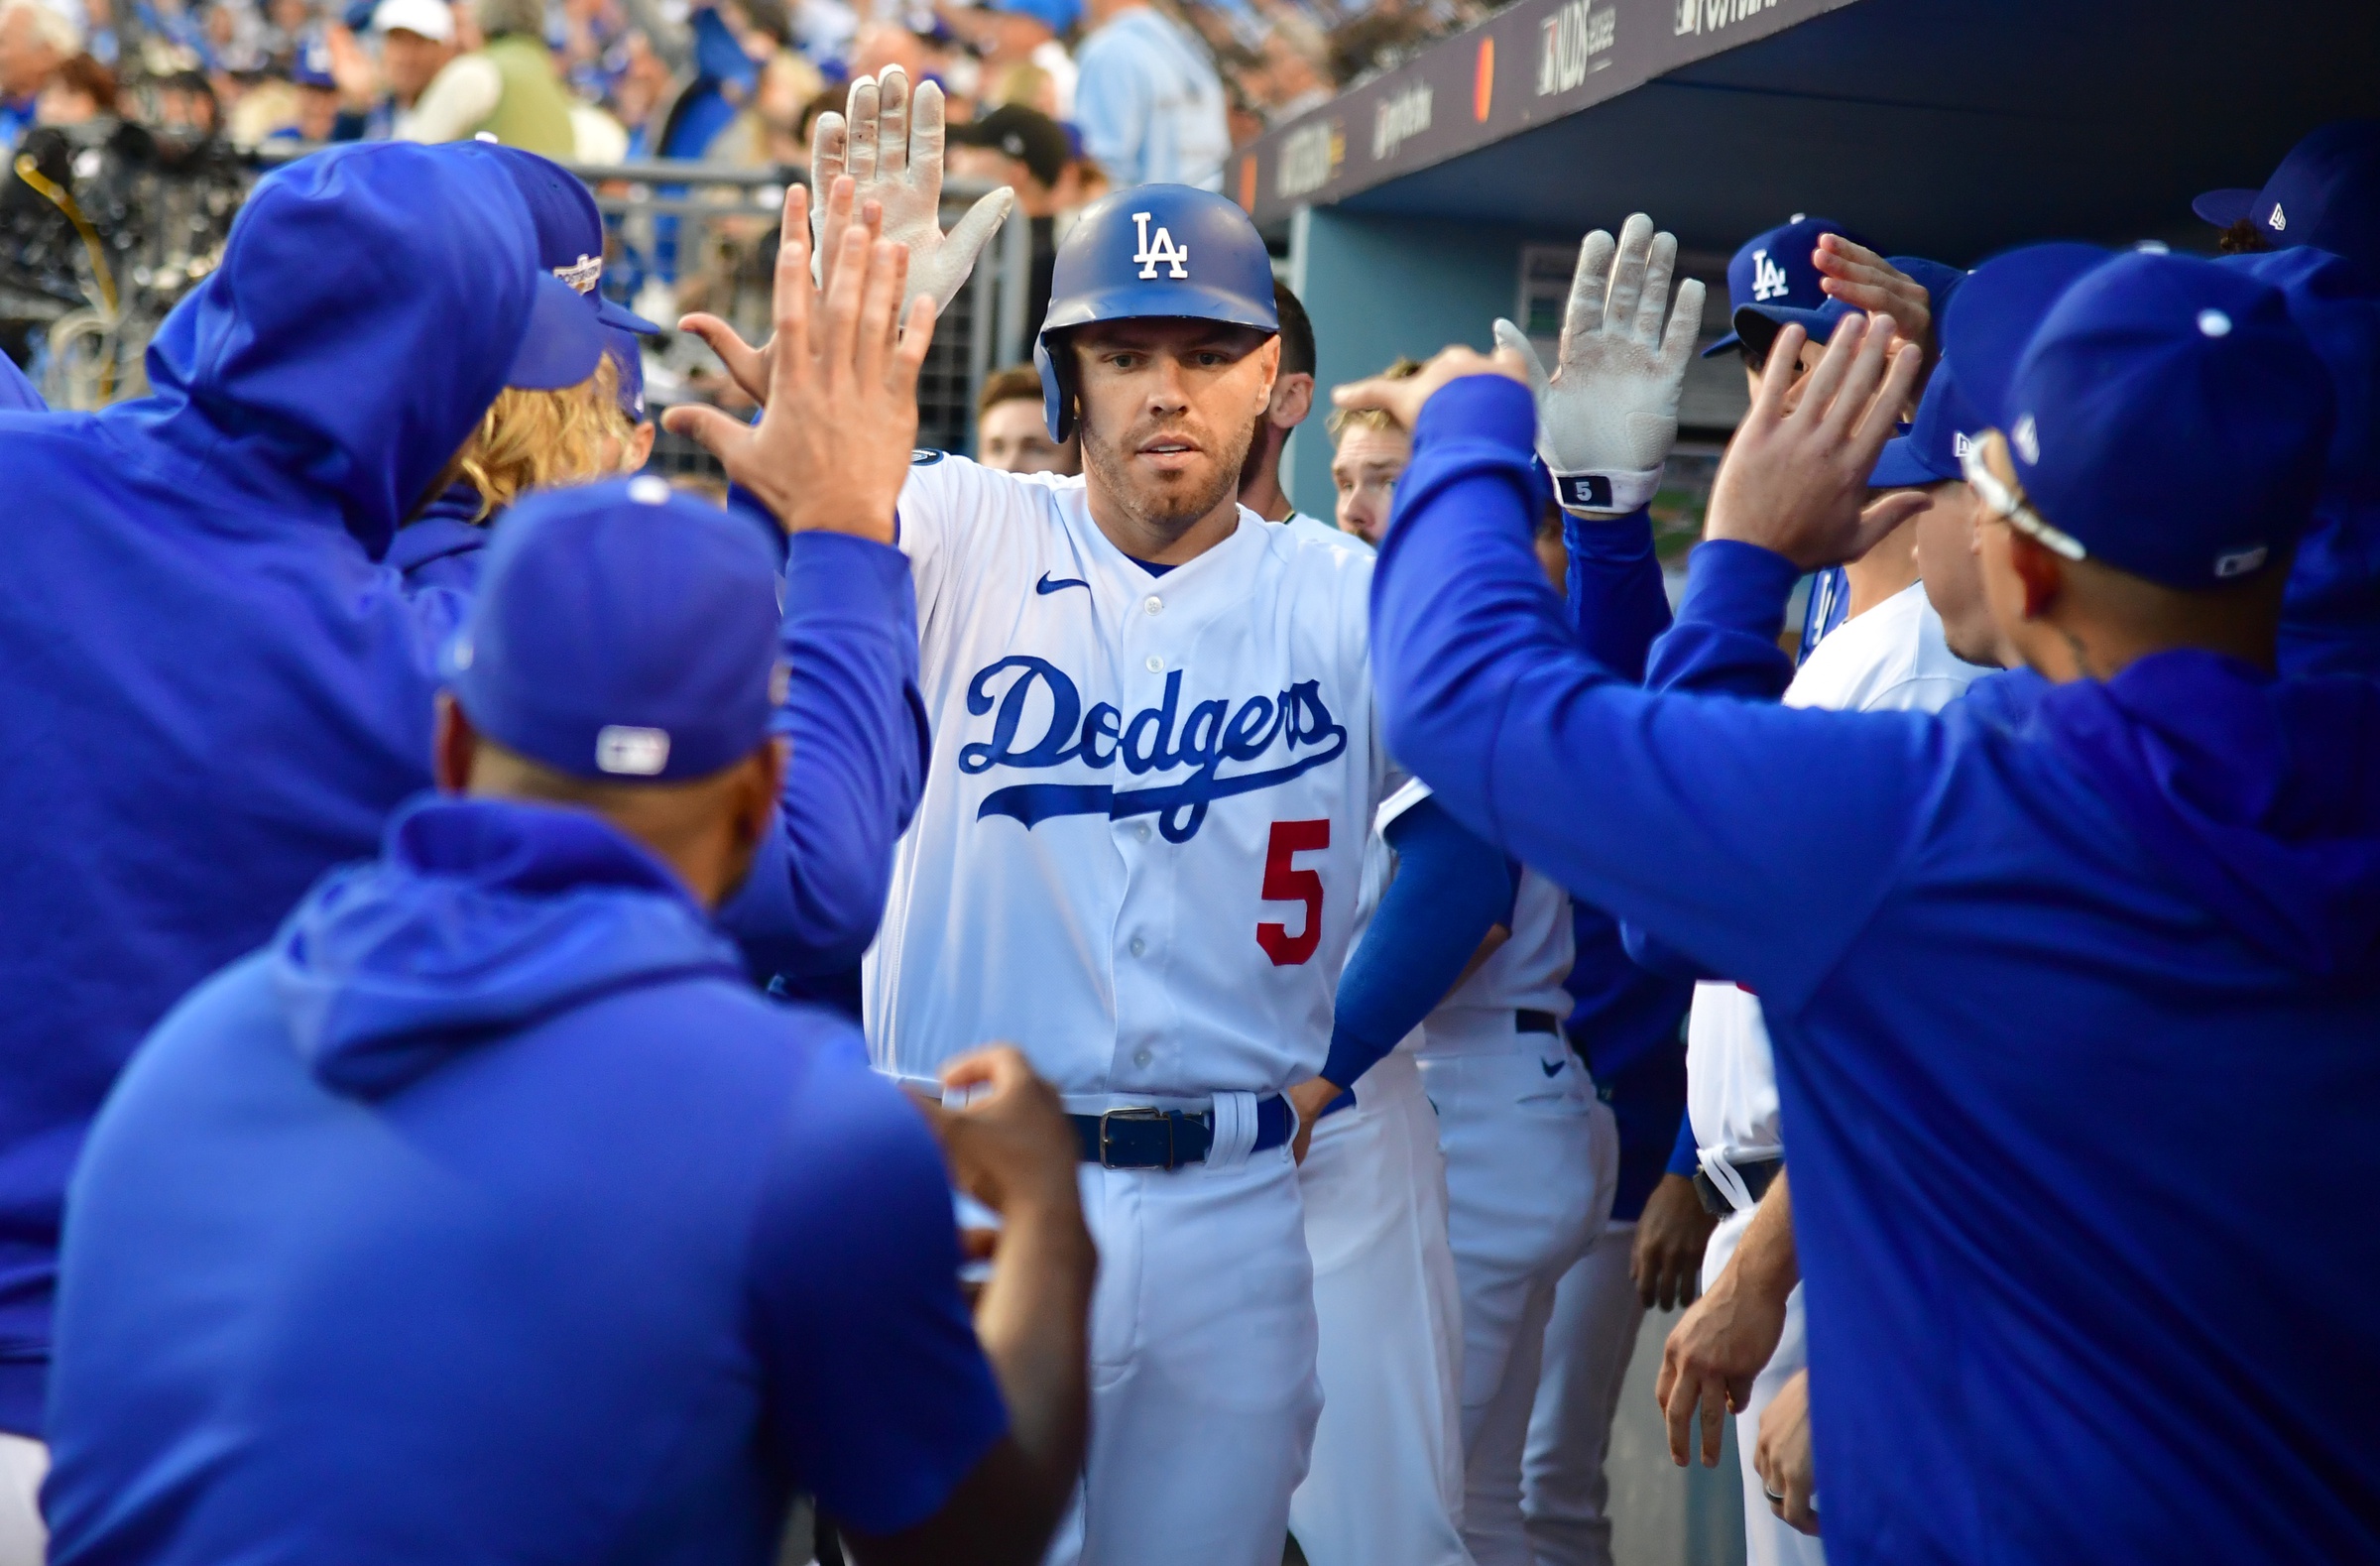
1139,1115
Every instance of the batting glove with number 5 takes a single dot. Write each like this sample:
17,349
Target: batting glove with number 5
1608,413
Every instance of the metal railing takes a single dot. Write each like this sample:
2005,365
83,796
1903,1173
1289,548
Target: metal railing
103,241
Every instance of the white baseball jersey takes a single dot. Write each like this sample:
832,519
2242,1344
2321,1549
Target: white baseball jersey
1141,840
1526,972
1891,658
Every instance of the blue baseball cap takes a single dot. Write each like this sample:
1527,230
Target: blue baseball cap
563,343
1056,15
570,230
2326,193
2166,417
1934,450
311,65
629,356
1772,281
622,632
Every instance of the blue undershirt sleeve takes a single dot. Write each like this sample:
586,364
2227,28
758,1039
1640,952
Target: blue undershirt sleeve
1684,1159
1754,840
877,1394
858,743
1618,605
1450,890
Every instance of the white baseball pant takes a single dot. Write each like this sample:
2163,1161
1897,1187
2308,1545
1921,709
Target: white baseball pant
1589,1342
24,1540
1386,1488
1531,1161
1767,1542
1202,1392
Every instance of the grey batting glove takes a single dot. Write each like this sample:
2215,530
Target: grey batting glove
891,144
1608,413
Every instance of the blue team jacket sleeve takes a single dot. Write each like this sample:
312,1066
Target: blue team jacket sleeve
1450,890
879,1395
1618,605
1684,1159
1755,839
1725,641
857,731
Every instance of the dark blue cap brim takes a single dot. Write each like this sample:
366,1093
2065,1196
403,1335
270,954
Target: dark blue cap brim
1726,344
613,314
2222,208
1759,324
1903,466
564,341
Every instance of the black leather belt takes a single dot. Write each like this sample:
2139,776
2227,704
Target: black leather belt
1756,1176
1536,1023
1167,1139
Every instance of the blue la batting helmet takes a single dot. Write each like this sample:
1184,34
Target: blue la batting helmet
1155,250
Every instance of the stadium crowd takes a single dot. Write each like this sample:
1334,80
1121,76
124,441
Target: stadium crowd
459,884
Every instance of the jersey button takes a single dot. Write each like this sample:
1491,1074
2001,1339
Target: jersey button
1139,947
1142,831
1152,603
1141,1057
1156,665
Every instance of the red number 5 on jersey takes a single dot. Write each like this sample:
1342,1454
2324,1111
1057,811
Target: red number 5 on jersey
1285,883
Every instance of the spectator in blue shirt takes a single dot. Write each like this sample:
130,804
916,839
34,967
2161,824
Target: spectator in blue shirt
1150,106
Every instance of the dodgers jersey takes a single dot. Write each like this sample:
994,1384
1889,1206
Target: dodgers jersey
1891,658
1525,973
1141,842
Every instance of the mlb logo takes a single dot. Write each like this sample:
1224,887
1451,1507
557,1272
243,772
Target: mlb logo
629,752
1161,252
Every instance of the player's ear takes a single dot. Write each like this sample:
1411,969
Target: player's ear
453,745
2039,570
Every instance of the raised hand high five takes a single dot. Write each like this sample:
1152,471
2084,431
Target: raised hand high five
890,144
838,381
1608,413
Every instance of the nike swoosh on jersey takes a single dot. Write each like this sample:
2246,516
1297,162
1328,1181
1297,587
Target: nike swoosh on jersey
1045,586
1552,1068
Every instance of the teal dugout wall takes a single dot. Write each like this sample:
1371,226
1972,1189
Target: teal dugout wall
1380,286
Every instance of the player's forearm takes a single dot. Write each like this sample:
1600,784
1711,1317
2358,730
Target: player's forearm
1618,604
1033,1322
1450,891
858,748
1711,823
1765,1261
1725,641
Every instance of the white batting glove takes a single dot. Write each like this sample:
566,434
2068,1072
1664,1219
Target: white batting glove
892,147
1608,413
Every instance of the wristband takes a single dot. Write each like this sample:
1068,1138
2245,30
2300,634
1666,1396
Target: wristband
1603,493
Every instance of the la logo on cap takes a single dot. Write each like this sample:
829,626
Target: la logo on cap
1163,252
1768,279
631,752
2278,221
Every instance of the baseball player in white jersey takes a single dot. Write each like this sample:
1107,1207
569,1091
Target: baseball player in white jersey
1142,836
1888,655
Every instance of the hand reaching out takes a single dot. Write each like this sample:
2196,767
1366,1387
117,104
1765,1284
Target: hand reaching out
1795,477
1403,400
1867,282
890,144
838,384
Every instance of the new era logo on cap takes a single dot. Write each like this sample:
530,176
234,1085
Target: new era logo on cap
631,752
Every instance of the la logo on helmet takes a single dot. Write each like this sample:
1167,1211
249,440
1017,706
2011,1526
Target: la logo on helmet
1162,252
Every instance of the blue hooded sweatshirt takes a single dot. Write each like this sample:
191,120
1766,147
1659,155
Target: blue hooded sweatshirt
2075,993
221,695
487,1215
216,692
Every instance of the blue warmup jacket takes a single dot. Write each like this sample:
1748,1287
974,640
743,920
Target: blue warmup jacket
2330,611
17,393
2073,991
487,1215
219,693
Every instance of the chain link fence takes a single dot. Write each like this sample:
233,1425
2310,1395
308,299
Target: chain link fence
103,230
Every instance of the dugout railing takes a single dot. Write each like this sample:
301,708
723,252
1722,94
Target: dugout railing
104,241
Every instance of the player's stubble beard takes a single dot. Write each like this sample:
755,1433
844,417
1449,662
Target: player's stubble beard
1167,505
